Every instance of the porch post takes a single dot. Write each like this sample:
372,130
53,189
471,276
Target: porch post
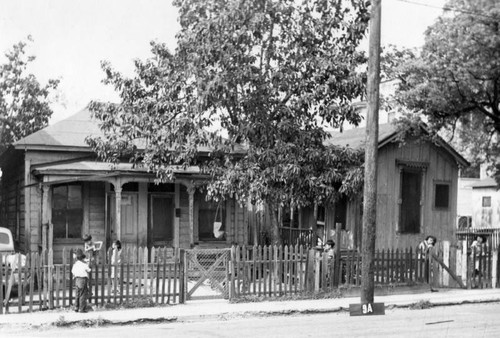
191,190
118,206
46,219
177,219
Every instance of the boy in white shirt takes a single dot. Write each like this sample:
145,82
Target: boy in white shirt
81,272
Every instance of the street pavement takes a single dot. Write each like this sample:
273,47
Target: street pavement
222,309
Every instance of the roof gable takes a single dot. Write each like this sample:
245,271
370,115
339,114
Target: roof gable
70,132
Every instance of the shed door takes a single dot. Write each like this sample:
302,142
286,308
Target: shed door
411,187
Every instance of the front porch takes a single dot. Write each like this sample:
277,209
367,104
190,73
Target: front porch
124,203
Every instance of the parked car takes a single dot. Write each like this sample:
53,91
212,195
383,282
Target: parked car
10,259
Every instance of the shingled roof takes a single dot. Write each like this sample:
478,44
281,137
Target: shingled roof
68,134
355,139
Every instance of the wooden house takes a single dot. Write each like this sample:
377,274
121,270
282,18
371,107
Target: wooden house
54,191
416,188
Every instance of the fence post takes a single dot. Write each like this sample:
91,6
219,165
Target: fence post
464,261
182,277
1,284
232,259
494,268
446,261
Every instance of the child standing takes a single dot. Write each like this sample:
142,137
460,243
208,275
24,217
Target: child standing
116,261
80,272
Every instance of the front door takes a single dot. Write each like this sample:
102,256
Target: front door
129,219
161,231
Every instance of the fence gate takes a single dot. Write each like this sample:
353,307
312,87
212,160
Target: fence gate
206,273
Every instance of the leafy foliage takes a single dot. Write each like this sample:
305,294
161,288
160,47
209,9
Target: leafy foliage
24,103
247,96
454,82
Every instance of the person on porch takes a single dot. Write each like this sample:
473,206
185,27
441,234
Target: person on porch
91,248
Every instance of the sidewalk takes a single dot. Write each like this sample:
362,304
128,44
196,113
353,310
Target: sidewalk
211,309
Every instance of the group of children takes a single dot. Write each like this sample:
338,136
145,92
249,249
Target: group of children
81,269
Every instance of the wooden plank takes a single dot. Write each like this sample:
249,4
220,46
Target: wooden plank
265,266
279,269
2,285
134,268
178,278
32,281
20,283
63,272
163,276
157,279
254,269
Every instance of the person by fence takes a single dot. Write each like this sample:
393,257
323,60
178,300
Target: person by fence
478,250
423,251
116,261
81,272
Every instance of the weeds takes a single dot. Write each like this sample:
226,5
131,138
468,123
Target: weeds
420,305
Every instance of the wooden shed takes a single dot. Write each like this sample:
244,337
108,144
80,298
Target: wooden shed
416,188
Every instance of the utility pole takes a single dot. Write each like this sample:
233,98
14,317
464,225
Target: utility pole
371,154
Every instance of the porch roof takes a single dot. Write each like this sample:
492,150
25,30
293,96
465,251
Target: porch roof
87,167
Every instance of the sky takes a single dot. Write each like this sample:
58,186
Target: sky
72,37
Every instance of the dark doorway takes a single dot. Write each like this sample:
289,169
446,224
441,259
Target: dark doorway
161,221
411,189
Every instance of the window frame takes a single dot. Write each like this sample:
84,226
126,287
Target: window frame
66,209
421,169
434,197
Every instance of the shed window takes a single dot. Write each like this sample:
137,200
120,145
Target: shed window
442,196
67,211
486,201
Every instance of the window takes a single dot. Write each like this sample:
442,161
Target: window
67,211
286,217
441,196
211,221
341,212
321,217
486,201
410,197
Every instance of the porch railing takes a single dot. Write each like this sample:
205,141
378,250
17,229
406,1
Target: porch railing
294,236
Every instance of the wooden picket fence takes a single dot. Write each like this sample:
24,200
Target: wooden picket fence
160,275
271,271
143,276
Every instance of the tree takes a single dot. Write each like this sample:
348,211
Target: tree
272,74
24,102
454,80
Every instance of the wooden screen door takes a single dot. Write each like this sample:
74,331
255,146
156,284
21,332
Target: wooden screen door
129,219
161,221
